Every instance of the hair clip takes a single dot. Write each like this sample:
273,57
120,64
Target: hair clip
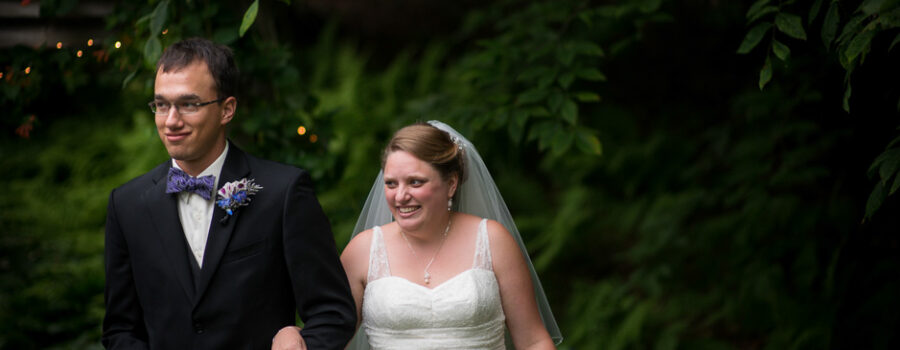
457,141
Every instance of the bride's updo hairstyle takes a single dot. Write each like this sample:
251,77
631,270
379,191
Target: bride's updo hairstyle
431,145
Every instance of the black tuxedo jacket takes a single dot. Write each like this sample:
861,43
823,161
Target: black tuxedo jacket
271,258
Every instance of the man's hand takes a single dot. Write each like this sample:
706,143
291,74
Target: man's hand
288,338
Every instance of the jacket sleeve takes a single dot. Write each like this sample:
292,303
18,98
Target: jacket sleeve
123,326
320,286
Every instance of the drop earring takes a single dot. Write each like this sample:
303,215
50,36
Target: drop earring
449,203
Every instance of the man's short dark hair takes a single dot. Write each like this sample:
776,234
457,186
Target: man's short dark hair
218,59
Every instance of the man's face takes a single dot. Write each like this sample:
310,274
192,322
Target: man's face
192,138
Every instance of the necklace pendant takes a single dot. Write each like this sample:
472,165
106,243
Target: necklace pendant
427,278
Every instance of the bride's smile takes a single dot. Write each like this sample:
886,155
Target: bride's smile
416,193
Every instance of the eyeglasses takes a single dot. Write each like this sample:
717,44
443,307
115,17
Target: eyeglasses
163,107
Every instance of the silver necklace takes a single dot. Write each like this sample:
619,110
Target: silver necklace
427,276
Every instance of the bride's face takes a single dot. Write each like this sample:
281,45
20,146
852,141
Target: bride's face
415,191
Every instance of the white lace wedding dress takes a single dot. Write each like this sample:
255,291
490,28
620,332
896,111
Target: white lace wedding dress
464,312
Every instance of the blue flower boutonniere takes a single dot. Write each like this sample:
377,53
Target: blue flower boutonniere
236,194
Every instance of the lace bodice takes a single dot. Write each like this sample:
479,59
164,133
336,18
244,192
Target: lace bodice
464,312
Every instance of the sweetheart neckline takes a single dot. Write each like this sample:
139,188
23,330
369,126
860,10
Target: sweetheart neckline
437,286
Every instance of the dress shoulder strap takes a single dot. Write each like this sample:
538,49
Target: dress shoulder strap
482,258
378,262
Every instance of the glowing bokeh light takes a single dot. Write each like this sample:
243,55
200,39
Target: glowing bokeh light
90,42
27,70
301,130
79,53
313,138
118,44
59,44
165,31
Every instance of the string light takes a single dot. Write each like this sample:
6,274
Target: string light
90,42
58,45
313,138
165,31
79,53
301,130
118,44
1,75
27,70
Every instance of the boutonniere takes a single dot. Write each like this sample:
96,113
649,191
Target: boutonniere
236,194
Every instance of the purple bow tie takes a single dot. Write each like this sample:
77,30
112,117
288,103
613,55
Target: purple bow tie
180,181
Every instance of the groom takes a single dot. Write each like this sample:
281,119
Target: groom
186,272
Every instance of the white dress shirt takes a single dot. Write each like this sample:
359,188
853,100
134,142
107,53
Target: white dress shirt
195,212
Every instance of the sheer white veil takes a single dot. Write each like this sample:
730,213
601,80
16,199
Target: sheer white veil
477,195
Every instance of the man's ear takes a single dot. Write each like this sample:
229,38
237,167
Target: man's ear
229,106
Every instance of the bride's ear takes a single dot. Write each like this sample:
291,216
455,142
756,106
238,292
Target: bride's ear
452,182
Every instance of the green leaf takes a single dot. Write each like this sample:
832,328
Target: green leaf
158,19
585,96
586,18
538,111
591,74
875,199
648,6
765,74
152,50
562,141
846,100
814,11
588,48
895,185
890,164
754,35
249,17
859,44
791,25
128,79
569,111
871,6
588,143
565,54
555,100
565,80
876,164
517,126
533,72
896,40
830,24
894,142
765,11
781,50
756,8
851,29
531,96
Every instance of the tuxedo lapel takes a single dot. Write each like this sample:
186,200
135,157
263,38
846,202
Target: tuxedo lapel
220,231
163,210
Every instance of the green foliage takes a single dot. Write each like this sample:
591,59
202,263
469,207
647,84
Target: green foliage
887,167
712,215
52,261
870,19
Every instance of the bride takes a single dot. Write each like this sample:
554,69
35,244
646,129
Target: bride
442,265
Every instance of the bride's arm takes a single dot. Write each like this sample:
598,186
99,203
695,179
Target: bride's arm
516,291
355,259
